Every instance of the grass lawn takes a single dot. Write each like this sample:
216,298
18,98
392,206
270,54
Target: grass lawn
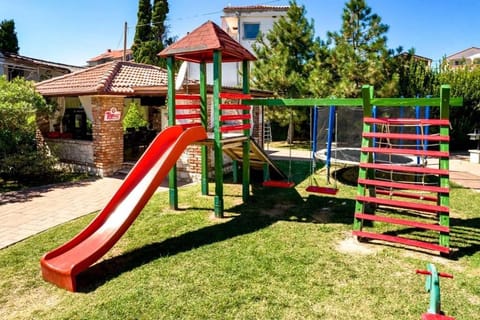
285,254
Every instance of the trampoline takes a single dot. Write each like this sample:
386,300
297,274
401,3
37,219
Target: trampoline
351,156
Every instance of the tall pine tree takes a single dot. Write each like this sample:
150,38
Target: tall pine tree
150,35
360,55
8,37
285,56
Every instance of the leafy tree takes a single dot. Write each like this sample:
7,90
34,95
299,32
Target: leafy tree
8,37
360,54
19,158
415,77
134,118
150,36
284,64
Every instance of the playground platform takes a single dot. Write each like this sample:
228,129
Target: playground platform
26,213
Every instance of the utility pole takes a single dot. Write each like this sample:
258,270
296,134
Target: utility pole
125,42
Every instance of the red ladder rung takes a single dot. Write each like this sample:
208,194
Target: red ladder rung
233,107
228,95
228,128
187,106
406,136
189,125
404,204
410,169
407,121
404,186
187,116
406,195
419,152
402,240
403,222
187,97
231,117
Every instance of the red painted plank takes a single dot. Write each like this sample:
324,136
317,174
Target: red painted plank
228,128
419,152
405,136
278,184
230,117
420,170
404,204
402,240
406,195
187,97
405,186
407,121
228,95
187,106
403,222
322,190
187,116
234,107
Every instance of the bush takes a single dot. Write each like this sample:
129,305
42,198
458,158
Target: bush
134,118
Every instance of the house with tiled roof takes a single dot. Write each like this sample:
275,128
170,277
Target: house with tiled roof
467,57
242,24
15,65
111,55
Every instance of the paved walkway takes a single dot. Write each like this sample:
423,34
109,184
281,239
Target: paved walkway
26,213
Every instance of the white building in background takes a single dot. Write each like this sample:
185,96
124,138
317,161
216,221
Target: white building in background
243,24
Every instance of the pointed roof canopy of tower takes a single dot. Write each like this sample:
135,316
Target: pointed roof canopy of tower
199,45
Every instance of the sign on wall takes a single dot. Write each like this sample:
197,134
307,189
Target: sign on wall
112,115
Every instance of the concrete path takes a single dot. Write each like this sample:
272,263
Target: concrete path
26,213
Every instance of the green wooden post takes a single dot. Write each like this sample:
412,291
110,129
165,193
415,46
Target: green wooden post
235,171
246,143
172,175
204,119
367,95
217,144
443,198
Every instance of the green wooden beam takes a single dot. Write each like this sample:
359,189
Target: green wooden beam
217,144
172,175
204,120
246,143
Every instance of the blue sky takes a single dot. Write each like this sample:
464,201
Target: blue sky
72,32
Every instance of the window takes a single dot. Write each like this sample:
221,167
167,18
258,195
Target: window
250,30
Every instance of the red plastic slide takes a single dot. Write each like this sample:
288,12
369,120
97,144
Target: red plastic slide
61,265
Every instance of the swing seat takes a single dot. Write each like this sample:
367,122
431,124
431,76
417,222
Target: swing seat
278,184
322,190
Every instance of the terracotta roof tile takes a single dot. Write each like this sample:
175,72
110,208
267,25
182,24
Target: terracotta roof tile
464,53
199,45
254,8
116,77
110,54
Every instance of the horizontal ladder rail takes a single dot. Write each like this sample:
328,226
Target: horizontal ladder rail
406,136
403,222
407,121
415,152
404,186
408,169
404,204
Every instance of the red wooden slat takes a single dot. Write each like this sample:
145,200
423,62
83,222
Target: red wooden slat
228,95
410,169
322,190
407,195
230,117
419,152
189,125
278,184
405,136
187,106
402,240
187,116
233,107
405,186
407,121
187,97
228,128
404,204
403,222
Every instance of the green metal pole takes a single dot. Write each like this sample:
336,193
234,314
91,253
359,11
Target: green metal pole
217,145
246,143
443,198
367,95
204,116
172,175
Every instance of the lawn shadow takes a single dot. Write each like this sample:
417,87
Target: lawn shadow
242,219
